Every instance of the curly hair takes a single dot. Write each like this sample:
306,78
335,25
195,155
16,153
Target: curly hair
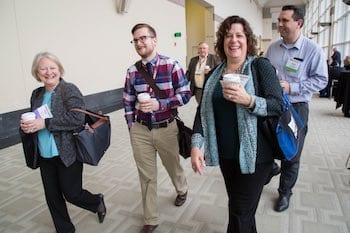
226,26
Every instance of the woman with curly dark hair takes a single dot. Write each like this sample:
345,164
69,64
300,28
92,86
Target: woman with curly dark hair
226,129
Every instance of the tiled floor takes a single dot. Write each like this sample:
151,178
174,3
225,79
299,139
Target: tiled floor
320,204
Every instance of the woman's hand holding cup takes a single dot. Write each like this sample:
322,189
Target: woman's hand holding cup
230,84
233,90
30,124
26,122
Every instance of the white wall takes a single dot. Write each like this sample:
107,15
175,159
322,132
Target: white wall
337,35
246,9
91,39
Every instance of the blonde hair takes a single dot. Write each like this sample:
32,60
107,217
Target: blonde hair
50,56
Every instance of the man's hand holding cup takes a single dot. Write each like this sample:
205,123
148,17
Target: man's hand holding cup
206,69
147,104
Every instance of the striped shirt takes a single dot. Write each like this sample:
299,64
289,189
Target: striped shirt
169,77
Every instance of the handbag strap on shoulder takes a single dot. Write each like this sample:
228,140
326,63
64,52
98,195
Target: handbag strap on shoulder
82,110
149,80
89,113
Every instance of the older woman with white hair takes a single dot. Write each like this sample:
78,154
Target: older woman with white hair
61,172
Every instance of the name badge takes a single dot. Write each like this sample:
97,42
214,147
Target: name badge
292,65
199,71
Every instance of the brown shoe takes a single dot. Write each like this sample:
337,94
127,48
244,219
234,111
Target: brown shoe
148,228
180,199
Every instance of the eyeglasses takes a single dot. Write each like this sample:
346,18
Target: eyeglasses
141,39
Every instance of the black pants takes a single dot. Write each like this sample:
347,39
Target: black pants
65,183
290,169
244,191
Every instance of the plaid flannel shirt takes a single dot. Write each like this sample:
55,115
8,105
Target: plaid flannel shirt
169,77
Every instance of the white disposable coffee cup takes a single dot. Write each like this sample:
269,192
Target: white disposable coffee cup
27,116
234,78
207,67
142,97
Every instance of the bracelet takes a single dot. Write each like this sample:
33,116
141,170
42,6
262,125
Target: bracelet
252,101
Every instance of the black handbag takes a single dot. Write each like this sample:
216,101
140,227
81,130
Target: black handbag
184,138
185,133
93,138
30,149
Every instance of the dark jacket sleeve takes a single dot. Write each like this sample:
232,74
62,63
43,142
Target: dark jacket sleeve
213,61
267,85
191,72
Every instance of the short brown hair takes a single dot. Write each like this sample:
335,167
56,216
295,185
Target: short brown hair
225,27
144,25
37,59
298,13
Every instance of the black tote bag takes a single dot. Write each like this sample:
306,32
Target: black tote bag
184,138
92,139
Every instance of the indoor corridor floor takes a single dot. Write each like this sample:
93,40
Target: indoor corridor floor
320,203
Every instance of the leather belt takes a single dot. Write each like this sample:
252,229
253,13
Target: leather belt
156,125
299,103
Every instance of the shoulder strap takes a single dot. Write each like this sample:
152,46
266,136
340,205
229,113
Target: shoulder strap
149,80
62,96
99,116
256,76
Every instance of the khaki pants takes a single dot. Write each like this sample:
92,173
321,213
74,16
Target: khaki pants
145,145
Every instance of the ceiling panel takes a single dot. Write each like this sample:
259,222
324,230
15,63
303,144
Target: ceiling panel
280,3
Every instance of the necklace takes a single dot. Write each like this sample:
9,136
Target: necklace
236,71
